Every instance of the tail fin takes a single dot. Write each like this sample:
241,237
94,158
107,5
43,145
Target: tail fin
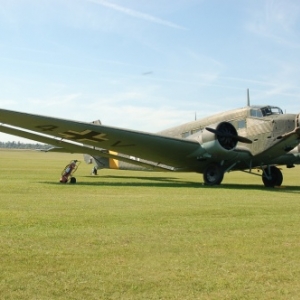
97,122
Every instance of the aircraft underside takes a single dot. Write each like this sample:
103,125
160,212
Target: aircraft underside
214,174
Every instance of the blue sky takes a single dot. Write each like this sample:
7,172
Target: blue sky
147,65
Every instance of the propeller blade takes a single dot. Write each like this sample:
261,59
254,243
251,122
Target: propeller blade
237,137
243,139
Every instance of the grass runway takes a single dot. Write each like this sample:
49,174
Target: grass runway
144,235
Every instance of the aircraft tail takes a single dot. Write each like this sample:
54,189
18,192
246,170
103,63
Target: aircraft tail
100,162
97,122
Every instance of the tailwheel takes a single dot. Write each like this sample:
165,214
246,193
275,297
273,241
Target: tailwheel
274,178
73,180
213,174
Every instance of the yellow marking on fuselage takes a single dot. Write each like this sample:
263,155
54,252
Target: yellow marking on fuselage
113,163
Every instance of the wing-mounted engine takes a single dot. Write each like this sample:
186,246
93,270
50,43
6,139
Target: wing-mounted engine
225,133
220,139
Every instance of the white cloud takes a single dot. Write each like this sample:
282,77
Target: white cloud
144,118
137,14
57,101
277,21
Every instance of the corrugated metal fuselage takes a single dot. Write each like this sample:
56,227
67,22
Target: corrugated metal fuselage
265,131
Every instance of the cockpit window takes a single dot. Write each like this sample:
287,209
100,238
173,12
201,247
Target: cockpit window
276,110
265,111
271,110
256,113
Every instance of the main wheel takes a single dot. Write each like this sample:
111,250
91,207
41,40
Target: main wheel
213,174
276,177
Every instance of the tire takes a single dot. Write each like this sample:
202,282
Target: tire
276,177
213,175
73,180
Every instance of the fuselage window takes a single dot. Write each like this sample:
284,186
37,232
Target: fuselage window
196,130
241,124
185,134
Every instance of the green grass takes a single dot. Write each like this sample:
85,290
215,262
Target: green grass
138,235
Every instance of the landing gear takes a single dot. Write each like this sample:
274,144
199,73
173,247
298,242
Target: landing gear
213,174
73,180
272,176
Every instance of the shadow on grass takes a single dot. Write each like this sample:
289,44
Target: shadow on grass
126,181
172,182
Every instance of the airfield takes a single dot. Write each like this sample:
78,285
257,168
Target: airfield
144,235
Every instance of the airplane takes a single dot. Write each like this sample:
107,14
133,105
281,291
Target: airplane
245,139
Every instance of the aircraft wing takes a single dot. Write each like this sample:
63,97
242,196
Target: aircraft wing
157,148
69,147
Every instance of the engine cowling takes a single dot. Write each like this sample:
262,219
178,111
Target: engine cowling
219,139
226,135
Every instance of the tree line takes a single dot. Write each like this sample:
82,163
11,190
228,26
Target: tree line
19,145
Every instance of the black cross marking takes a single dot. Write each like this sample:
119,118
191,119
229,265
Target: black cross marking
86,135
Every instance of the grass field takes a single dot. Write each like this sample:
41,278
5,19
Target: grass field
138,235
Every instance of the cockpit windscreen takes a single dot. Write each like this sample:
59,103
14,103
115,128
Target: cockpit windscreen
259,112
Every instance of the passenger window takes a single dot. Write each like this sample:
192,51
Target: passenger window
196,130
241,124
185,134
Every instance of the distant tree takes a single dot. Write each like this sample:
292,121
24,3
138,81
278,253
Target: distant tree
19,145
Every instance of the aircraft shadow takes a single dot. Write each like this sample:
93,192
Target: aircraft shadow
139,181
162,181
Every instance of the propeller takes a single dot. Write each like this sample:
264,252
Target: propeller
224,133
